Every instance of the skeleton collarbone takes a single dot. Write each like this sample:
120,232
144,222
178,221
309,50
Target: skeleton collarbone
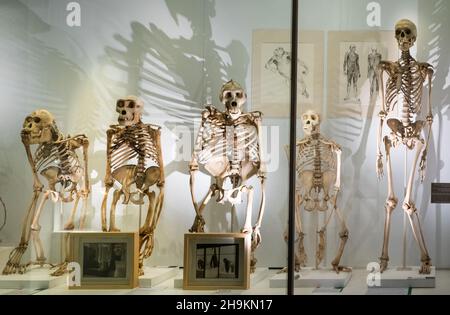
316,169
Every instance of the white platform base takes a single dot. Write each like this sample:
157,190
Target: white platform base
395,278
313,278
259,275
155,275
35,278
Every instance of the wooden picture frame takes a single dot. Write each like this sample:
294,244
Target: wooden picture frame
271,76
108,260
216,261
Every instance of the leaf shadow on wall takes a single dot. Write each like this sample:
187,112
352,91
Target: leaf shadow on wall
436,49
175,76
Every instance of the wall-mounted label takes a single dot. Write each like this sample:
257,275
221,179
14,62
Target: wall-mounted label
440,192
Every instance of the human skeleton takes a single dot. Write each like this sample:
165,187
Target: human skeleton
228,145
405,78
133,140
318,169
55,159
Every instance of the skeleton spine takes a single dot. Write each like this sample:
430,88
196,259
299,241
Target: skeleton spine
317,163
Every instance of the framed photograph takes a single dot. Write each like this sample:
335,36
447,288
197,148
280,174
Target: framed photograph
352,82
107,260
216,261
271,72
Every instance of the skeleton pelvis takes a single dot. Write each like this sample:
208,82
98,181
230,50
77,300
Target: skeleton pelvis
407,134
126,176
221,167
315,196
54,176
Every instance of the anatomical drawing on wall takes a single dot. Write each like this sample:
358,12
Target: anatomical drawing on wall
59,166
352,81
272,68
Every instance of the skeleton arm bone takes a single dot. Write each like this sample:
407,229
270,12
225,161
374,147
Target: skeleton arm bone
261,173
422,164
108,177
383,65
37,185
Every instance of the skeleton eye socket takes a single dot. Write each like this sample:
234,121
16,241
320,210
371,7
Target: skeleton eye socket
313,118
228,95
238,94
408,32
397,32
131,104
37,120
120,103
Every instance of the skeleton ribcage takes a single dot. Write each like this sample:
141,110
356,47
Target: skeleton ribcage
309,155
408,83
59,155
237,143
133,142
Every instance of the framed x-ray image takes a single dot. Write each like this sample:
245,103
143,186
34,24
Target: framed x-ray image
216,261
271,70
353,83
107,260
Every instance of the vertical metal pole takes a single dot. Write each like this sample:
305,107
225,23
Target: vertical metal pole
292,147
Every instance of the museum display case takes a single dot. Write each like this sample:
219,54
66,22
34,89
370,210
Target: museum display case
202,146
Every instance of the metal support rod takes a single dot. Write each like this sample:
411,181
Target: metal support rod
292,148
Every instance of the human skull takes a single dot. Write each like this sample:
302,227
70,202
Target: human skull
130,110
233,97
311,123
38,127
406,34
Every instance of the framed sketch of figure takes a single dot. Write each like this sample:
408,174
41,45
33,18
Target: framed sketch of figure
271,71
353,58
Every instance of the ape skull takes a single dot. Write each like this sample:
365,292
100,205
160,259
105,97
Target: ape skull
406,34
39,127
233,97
311,123
130,110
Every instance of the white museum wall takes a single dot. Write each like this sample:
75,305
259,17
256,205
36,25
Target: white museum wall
78,73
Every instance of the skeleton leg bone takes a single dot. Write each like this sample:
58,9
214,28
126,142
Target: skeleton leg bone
343,235
391,203
300,255
112,218
103,209
410,208
69,225
199,222
83,212
13,265
248,217
62,267
36,229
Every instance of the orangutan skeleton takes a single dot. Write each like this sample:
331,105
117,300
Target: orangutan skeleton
133,140
56,160
406,78
229,147
319,169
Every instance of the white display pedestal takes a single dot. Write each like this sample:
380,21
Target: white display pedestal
35,278
259,275
395,278
156,275
309,277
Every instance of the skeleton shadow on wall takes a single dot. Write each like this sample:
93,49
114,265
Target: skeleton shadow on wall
176,77
43,78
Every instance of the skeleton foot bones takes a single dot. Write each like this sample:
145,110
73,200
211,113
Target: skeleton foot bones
55,159
228,146
406,77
